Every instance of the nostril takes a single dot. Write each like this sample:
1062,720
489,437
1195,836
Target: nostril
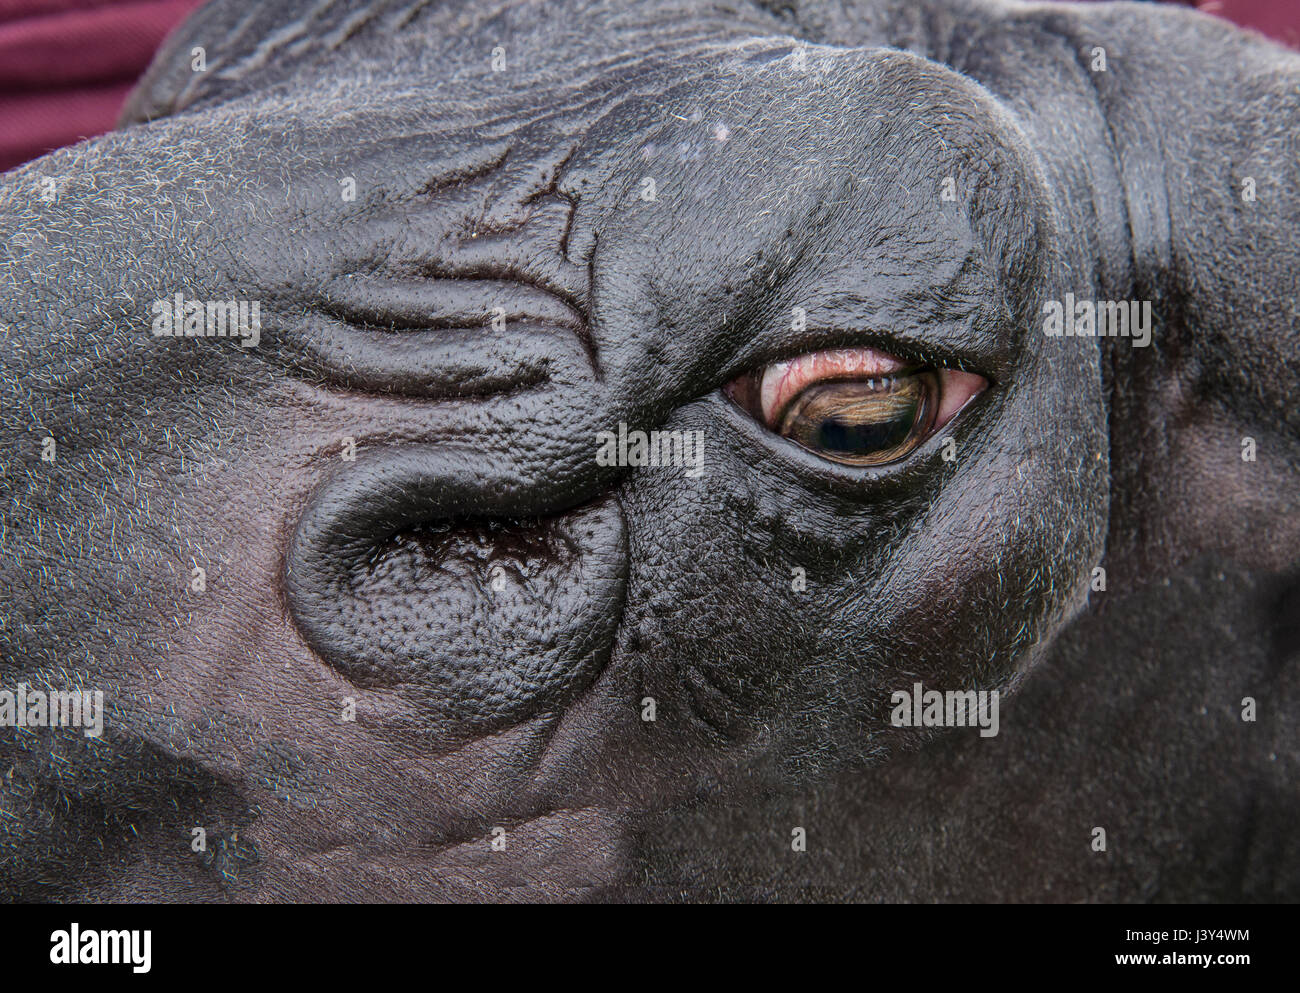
481,619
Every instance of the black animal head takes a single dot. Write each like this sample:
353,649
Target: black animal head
638,399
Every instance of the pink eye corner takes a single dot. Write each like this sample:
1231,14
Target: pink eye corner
857,406
957,389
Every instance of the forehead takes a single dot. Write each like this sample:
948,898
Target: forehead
846,147
868,187
703,183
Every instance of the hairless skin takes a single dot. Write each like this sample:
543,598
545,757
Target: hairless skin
367,608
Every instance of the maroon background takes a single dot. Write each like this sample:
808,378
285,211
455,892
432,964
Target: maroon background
66,66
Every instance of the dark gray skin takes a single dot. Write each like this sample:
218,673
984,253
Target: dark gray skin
814,187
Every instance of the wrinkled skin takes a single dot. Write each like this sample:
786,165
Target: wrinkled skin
782,180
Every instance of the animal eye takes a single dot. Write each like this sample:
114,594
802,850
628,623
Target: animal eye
857,406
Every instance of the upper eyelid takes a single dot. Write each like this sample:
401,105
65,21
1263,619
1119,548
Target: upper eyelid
754,357
781,381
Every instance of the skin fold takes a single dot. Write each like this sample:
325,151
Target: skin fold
430,618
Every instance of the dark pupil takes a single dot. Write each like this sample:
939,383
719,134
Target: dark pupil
856,418
841,435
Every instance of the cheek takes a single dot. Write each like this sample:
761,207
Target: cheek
996,563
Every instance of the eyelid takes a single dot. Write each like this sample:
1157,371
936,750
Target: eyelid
783,381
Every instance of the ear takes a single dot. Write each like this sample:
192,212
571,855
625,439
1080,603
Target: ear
192,60
1204,539
1205,427
228,46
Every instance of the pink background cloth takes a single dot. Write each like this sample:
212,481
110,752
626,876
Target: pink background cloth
66,66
